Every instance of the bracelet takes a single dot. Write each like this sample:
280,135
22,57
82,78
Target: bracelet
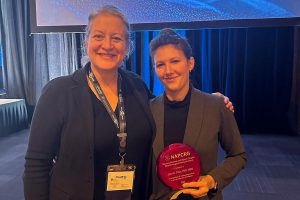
214,189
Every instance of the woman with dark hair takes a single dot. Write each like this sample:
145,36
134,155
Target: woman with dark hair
184,114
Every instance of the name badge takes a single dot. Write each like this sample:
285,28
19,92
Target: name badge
120,177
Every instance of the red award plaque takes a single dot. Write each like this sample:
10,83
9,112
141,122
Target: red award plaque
177,164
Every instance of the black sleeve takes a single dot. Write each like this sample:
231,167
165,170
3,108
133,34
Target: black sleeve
43,143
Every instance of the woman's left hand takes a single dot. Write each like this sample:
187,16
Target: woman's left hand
199,188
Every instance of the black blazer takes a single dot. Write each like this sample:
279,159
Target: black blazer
63,126
209,123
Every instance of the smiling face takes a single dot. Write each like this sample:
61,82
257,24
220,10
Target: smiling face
172,68
107,42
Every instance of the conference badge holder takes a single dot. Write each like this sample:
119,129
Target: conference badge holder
120,177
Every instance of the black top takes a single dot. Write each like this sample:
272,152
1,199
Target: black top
175,116
107,144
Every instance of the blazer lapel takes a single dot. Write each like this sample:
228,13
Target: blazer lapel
82,96
194,119
143,100
146,108
157,108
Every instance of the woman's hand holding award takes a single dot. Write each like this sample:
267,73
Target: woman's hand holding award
178,164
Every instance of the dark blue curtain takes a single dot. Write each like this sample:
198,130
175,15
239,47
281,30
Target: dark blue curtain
252,66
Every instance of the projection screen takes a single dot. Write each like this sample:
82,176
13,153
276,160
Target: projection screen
71,15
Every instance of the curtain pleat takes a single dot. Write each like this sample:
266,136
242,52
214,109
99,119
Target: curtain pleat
252,66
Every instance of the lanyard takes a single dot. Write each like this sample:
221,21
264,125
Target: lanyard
121,123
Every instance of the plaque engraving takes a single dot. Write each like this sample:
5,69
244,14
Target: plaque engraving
177,164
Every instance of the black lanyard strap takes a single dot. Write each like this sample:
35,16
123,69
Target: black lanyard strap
121,123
